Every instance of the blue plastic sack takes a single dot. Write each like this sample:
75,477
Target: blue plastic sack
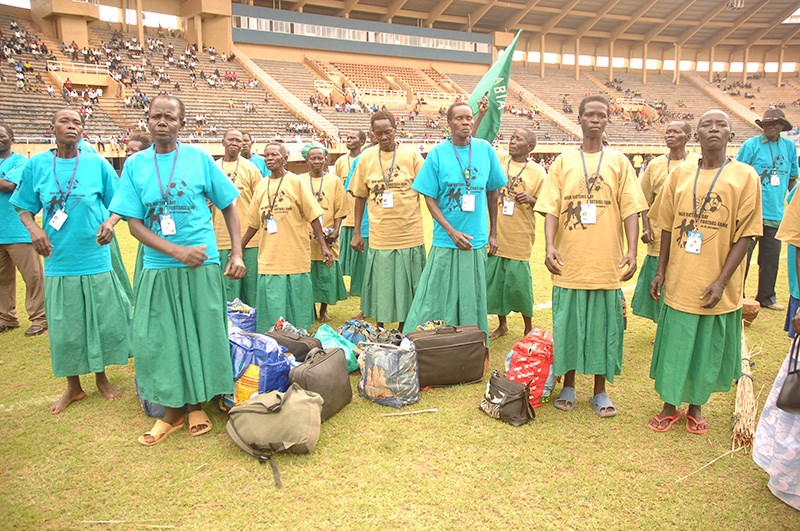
330,339
264,352
357,331
242,316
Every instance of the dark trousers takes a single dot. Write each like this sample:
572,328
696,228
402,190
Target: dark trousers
769,254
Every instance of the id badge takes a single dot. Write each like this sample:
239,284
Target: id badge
468,203
387,200
588,214
272,226
58,219
508,207
775,180
694,241
167,225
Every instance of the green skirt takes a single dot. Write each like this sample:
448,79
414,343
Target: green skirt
346,253
509,287
696,355
452,288
358,263
89,321
244,289
180,336
642,304
390,281
138,268
118,267
327,283
588,331
287,296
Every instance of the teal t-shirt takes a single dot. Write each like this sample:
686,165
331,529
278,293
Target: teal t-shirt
86,147
782,158
442,177
260,163
365,217
11,228
196,179
75,249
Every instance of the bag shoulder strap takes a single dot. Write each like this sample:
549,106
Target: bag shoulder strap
793,356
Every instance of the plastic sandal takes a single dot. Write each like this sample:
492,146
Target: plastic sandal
199,418
567,395
691,420
600,402
671,420
159,432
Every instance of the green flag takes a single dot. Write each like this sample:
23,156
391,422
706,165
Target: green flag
495,85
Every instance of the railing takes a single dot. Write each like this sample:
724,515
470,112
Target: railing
76,68
439,97
380,93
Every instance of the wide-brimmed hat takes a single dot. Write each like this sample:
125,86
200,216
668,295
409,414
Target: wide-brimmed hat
774,115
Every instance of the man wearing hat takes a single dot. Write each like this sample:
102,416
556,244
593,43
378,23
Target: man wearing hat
775,160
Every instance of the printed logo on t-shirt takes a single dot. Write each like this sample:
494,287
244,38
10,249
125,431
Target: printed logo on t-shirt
600,192
283,205
399,182
454,193
58,199
714,216
179,206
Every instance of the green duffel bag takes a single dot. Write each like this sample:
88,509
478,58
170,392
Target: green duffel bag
276,422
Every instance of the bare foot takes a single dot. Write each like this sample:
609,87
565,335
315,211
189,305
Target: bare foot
359,316
69,396
324,317
499,332
105,387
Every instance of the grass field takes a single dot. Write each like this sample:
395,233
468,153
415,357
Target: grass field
456,468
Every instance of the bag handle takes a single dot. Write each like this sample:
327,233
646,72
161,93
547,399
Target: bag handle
793,356
447,328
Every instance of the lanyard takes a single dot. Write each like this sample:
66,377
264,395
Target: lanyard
465,172
235,170
391,168
311,184
165,191
596,174
71,179
515,179
695,212
669,159
772,156
275,198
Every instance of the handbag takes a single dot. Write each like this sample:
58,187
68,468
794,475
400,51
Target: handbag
508,401
450,355
276,422
789,397
325,372
295,343
388,375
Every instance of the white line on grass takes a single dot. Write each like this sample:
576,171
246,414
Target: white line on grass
28,404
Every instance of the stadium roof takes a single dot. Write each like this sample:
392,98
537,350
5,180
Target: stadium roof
692,23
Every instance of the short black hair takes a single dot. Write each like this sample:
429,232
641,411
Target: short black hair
530,136
453,106
9,130
589,99
246,134
142,138
362,136
382,115
281,148
181,106
70,109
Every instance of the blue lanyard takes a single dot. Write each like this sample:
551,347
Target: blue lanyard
596,174
464,172
695,212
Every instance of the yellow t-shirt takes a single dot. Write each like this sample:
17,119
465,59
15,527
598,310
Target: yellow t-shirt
245,177
789,231
515,233
399,227
330,194
731,211
653,179
342,169
591,252
287,251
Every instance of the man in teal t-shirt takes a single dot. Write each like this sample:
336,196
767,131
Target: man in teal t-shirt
255,158
460,179
775,160
16,250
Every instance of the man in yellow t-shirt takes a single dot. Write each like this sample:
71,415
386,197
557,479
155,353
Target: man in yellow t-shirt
508,271
396,256
245,176
342,168
326,282
676,136
708,213
589,195
281,209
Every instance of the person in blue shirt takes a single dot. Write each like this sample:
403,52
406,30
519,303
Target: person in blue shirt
358,259
255,158
88,311
16,250
137,143
460,178
794,286
775,160
180,335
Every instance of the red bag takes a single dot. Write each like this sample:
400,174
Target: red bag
530,361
